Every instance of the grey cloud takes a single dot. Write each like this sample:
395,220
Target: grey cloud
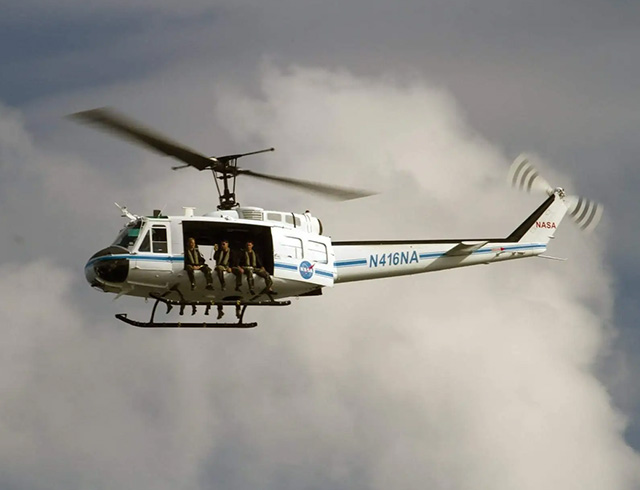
558,79
66,9
83,405
474,377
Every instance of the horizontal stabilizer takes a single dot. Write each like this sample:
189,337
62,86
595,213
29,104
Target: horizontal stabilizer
551,257
466,248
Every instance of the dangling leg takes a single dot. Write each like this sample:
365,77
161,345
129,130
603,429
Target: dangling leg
220,312
207,274
220,272
238,273
268,282
192,277
249,273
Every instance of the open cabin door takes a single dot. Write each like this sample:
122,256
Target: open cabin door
302,257
209,233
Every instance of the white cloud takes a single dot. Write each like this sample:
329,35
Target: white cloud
87,404
494,365
472,378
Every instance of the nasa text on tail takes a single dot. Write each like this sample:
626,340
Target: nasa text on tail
147,259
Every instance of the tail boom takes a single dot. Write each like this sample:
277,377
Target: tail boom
362,260
371,260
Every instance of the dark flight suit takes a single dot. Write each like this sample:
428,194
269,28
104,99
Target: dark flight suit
252,264
228,260
223,262
235,267
194,258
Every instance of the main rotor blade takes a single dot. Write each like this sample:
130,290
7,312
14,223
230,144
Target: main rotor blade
339,193
133,131
227,158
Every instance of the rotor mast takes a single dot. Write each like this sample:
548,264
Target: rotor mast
225,170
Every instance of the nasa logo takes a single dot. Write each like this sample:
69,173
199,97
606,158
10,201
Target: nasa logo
306,270
545,224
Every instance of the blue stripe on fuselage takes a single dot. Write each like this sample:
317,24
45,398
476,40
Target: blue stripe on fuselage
324,273
159,258
290,267
433,255
351,263
286,266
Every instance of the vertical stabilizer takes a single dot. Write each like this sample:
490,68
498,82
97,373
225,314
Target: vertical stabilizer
543,222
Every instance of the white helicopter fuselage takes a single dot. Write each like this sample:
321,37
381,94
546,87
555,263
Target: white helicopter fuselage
148,255
147,258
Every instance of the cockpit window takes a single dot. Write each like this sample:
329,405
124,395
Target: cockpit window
145,246
129,235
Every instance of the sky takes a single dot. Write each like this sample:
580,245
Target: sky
517,375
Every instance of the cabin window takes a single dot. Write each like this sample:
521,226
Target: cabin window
317,252
159,239
288,218
274,217
291,247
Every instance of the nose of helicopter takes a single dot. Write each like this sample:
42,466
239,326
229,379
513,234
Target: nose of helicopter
90,274
108,265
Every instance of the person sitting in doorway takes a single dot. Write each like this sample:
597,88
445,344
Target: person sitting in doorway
251,264
223,261
194,261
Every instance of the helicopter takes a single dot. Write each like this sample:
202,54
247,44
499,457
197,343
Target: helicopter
147,258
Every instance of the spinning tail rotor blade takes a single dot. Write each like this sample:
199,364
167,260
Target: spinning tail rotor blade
338,193
584,212
133,131
524,176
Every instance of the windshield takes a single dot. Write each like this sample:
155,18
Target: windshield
128,235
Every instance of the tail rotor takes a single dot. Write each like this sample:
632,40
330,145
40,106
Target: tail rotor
525,177
584,212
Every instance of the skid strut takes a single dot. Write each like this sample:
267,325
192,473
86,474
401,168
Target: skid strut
208,304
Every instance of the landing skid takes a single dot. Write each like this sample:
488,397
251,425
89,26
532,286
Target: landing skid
151,324
194,304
